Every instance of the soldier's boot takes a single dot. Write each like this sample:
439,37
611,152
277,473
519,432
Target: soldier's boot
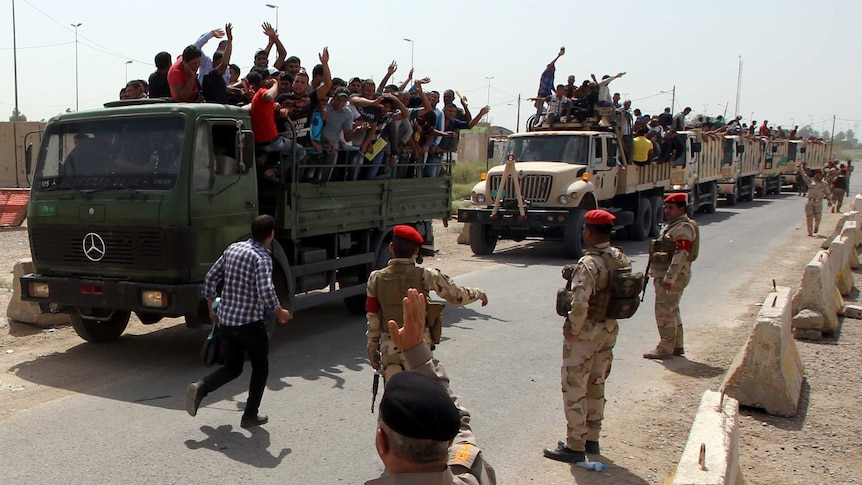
593,448
659,354
809,222
679,351
565,454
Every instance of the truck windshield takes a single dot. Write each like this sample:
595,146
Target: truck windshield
141,153
558,148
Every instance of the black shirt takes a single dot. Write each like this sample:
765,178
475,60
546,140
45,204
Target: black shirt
214,88
159,87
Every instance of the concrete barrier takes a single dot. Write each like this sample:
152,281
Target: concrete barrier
28,311
841,251
464,235
767,371
856,205
850,231
819,292
839,226
711,455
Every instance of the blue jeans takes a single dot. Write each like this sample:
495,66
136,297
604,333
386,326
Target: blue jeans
433,165
286,147
372,168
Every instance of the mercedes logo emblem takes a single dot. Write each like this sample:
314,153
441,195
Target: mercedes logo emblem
93,246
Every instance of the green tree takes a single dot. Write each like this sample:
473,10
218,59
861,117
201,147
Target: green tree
17,116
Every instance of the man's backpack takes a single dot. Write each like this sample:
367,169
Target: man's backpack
620,300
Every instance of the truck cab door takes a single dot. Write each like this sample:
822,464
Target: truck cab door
603,167
223,193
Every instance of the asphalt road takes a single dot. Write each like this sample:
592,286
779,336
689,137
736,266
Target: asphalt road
503,360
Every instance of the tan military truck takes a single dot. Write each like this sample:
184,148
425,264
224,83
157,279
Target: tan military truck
738,169
814,153
562,172
776,155
696,173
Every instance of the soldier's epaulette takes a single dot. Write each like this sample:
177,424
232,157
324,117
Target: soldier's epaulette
463,455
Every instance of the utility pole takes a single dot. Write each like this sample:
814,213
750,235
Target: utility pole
832,139
518,119
411,51
738,91
488,103
673,100
77,108
15,62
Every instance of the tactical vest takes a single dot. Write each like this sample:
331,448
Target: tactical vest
661,250
617,299
392,285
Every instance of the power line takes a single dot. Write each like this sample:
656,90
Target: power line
36,46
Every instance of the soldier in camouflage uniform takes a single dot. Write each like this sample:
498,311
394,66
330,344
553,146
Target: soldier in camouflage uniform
830,173
588,344
388,286
670,268
818,190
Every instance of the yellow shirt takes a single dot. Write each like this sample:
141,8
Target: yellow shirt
640,149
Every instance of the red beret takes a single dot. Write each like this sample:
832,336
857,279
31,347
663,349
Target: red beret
408,233
678,198
599,217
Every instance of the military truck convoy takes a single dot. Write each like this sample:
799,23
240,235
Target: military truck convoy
574,167
132,204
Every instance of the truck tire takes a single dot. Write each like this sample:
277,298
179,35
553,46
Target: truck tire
713,203
483,239
640,228
658,215
573,236
98,331
731,200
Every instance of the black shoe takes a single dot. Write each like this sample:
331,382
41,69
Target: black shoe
564,454
592,447
679,351
252,421
194,396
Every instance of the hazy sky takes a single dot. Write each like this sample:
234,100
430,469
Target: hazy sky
800,58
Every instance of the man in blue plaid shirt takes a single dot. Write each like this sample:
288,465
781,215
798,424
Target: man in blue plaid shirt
245,268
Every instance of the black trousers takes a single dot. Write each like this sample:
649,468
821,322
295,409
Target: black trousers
251,339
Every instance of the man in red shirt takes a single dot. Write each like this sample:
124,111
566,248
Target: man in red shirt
266,135
183,75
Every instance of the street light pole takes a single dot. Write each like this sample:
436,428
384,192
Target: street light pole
127,71
77,108
276,14
15,67
488,102
411,51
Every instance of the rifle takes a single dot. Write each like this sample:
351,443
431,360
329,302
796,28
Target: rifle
646,278
375,384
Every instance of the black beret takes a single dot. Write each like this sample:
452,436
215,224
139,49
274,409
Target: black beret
417,406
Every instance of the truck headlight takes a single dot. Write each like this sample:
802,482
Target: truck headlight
480,198
564,200
154,299
38,290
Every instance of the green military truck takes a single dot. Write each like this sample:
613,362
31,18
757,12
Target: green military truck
132,204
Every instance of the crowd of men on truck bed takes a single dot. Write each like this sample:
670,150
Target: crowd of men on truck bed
378,129
650,138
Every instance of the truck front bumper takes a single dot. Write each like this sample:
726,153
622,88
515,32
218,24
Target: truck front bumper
60,292
513,218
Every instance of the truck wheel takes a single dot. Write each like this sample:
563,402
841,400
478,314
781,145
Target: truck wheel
713,203
573,236
483,239
731,199
640,228
658,215
96,331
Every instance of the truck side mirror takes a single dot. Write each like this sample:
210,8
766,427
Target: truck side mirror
245,150
490,148
28,158
801,150
696,146
740,148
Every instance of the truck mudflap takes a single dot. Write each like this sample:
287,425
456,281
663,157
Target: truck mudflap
64,292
